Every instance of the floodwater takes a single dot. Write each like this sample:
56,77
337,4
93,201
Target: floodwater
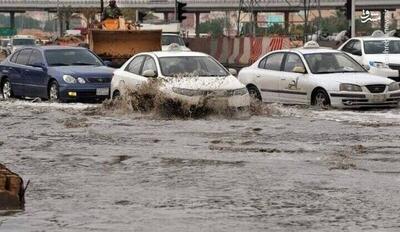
295,169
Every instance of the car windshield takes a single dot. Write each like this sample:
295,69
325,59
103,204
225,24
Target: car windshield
321,63
191,66
24,42
4,43
380,46
170,39
69,57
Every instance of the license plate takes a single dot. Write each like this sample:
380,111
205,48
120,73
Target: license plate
102,92
218,102
378,98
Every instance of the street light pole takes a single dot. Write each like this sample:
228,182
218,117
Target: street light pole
58,18
353,18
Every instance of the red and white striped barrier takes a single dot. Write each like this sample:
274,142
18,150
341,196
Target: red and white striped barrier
238,51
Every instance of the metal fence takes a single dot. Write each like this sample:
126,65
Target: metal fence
38,4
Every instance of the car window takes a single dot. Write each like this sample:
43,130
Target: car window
332,62
274,62
14,57
23,42
357,46
292,61
149,64
23,56
71,57
379,47
348,47
135,65
262,63
36,58
170,39
190,66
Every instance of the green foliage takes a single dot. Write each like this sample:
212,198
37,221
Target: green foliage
215,27
334,23
129,14
21,21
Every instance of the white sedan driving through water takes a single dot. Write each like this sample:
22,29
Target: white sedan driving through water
189,76
317,76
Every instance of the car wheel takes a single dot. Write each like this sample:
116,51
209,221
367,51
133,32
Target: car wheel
254,93
116,94
321,99
6,90
54,92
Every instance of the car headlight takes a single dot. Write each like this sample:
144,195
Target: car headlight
394,86
69,79
241,91
81,80
377,64
350,87
187,92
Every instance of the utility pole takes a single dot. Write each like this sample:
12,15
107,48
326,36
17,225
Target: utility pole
175,10
59,20
305,22
319,18
248,6
353,18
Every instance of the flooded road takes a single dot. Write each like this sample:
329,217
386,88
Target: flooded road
298,169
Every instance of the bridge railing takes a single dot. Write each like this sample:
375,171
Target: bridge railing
230,4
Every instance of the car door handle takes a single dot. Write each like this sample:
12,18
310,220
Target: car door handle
282,79
258,75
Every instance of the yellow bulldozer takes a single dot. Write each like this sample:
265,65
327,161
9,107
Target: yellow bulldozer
118,40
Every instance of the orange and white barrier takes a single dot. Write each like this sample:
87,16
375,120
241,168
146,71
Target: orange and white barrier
238,51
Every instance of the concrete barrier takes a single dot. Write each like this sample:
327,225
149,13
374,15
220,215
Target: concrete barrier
240,51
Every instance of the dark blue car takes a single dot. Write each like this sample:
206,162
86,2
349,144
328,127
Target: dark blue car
56,73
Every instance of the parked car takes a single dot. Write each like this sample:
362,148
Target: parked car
190,76
56,73
20,41
370,52
316,76
169,38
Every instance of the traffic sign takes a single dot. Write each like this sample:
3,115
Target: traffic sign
6,31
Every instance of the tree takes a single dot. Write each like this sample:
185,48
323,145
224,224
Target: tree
334,23
215,27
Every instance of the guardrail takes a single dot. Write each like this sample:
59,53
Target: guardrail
229,4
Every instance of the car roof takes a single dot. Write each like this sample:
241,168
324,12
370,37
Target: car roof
310,50
372,38
176,53
57,47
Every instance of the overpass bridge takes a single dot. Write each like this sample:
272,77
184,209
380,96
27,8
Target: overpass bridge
192,5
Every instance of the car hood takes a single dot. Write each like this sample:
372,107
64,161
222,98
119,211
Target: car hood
83,71
361,79
203,83
385,58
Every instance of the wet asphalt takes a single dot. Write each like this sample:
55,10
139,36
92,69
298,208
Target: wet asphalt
294,169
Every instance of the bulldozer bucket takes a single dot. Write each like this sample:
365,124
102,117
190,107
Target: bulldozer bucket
123,44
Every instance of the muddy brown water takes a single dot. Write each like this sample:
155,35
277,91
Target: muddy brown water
298,169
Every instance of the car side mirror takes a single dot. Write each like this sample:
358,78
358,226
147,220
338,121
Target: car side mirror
150,73
299,69
357,53
366,67
187,43
9,45
232,71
